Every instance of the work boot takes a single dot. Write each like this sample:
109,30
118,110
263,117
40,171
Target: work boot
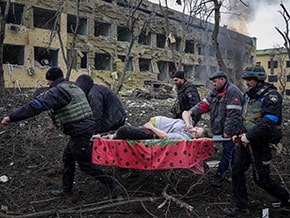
60,192
235,211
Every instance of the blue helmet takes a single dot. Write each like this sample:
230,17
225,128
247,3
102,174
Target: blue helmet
256,72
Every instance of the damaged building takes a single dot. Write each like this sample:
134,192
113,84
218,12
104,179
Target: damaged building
41,33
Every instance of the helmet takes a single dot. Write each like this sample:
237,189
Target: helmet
256,72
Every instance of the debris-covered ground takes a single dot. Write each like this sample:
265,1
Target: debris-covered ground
31,166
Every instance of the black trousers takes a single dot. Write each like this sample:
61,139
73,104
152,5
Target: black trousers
79,150
241,163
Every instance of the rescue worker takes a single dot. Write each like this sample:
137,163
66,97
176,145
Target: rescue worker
187,94
108,110
224,103
262,115
69,110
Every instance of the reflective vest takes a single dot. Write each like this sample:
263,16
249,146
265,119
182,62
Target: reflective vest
78,108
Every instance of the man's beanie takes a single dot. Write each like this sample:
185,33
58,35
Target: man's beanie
178,74
53,73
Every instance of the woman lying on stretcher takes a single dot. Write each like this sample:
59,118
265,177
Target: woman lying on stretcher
159,127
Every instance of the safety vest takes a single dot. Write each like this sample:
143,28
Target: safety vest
78,108
252,108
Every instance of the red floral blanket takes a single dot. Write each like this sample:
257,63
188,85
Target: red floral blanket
152,154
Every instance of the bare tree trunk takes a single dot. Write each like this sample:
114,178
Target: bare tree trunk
285,34
221,63
123,74
167,32
132,22
2,36
73,46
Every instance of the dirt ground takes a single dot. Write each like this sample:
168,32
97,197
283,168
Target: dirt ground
31,158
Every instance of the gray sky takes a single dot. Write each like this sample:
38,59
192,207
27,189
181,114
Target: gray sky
263,26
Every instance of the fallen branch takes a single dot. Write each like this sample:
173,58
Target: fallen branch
180,203
79,211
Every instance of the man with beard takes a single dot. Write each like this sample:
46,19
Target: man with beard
187,94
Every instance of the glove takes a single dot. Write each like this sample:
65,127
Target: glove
244,139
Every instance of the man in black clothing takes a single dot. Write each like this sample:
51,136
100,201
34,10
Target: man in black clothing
109,112
69,110
187,95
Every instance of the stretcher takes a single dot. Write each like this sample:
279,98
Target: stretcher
154,154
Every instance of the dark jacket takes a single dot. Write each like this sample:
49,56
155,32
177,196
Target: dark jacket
53,99
108,110
187,97
264,125
225,108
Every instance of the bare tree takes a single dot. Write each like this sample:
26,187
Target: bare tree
136,24
285,34
57,31
214,37
3,17
194,10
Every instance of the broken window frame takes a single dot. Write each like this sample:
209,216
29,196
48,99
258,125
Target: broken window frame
15,14
177,44
129,67
82,26
44,18
165,68
160,40
124,34
145,65
189,46
46,57
14,54
104,61
82,56
144,38
103,30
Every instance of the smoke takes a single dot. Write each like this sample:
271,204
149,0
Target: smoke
237,16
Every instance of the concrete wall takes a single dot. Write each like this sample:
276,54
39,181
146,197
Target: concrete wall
238,50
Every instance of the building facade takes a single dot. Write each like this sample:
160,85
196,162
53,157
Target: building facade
277,66
43,33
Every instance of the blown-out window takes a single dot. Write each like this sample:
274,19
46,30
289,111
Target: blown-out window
103,61
72,22
15,14
102,29
43,18
13,54
45,57
124,34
